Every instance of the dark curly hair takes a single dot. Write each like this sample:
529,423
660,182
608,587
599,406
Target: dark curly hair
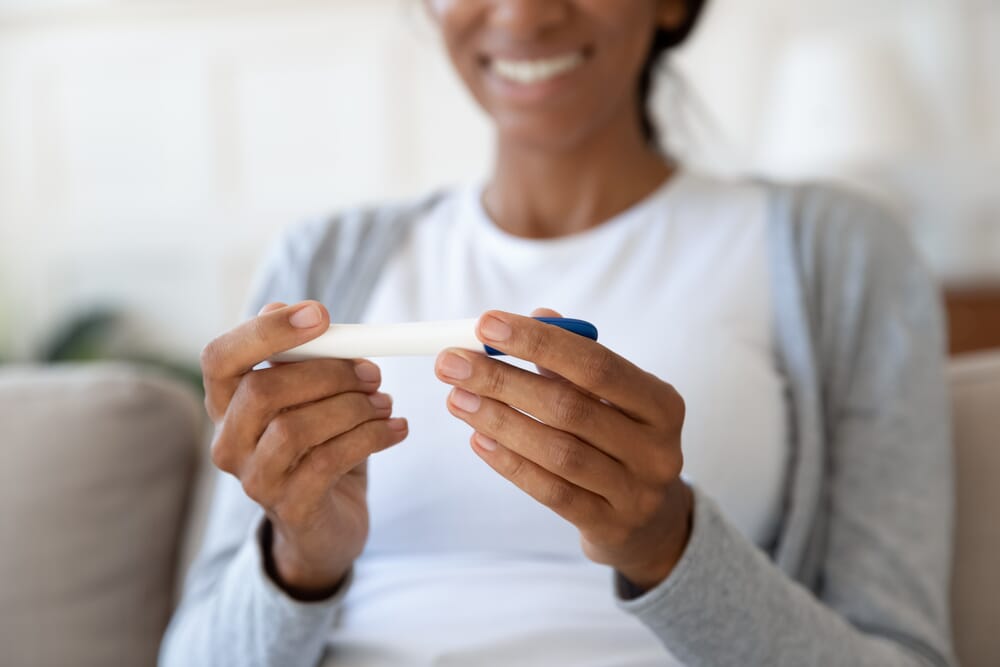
663,41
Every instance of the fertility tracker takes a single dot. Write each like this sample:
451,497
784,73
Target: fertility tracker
353,341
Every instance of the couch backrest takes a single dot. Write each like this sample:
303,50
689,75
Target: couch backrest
96,456
976,578
96,468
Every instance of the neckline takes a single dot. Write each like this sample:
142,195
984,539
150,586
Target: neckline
493,234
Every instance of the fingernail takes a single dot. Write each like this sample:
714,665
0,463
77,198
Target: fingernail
494,329
397,424
456,367
306,318
380,401
366,371
487,443
465,401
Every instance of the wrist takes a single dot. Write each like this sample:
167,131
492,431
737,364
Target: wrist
297,576
646,575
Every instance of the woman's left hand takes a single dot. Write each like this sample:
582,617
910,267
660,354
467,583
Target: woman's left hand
604,449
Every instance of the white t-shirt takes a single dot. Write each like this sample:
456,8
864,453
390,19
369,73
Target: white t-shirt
462,567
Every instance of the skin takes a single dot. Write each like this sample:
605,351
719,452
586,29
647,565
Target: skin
576,157
604,451
298,437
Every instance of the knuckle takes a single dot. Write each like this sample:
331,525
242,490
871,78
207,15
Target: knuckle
371,437
211,408
260,330
534,343
567,458
662,467
340,371
571,409
322,461
211,358
598,368
222,457
517,469
671,403
559,496
679,410
282,430
372,434
354,405
496,420
258,389
253,487
496,379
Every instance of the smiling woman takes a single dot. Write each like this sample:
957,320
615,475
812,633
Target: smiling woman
756,450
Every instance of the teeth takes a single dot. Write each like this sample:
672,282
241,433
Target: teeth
533,71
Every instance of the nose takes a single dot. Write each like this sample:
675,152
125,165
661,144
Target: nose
526,19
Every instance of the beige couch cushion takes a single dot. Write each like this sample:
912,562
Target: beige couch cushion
96,464
976,581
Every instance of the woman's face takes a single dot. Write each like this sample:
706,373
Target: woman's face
553,72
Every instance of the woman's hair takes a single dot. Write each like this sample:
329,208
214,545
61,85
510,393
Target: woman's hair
663,41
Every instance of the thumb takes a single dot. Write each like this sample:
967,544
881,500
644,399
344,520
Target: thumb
277,329
270,308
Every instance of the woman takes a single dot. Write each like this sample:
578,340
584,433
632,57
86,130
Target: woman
789,335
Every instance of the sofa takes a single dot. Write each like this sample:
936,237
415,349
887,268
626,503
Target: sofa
104,483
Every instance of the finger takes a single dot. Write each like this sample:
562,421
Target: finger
237,351
289,436
557,403
264,393
578,506
328,462
556,451
584,362
546,312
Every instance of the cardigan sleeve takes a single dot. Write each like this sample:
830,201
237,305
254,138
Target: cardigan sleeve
231,611
880,596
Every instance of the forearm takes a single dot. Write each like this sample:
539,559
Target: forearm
726,604
244,618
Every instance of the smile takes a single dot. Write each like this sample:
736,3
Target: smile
535,71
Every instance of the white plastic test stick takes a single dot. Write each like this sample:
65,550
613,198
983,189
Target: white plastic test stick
354,341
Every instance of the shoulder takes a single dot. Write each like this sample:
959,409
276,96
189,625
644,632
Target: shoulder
313,258
344,232
851,263
831,228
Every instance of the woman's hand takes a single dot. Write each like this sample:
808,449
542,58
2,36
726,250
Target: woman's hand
604,451
298,437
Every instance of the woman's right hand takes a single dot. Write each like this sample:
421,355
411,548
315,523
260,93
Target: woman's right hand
298,437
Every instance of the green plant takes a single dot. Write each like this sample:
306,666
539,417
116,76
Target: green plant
101,334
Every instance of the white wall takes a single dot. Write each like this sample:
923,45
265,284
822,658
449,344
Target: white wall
150,149
147,155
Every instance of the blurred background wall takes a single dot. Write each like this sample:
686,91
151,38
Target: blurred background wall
150,149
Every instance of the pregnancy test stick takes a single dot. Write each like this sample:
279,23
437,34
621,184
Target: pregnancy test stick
353,341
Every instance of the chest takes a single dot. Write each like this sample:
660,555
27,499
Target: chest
689,304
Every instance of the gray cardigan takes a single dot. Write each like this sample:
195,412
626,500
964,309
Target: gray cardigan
859,572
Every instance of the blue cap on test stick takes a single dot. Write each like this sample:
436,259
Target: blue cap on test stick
580,327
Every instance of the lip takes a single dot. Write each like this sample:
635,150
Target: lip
539,91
